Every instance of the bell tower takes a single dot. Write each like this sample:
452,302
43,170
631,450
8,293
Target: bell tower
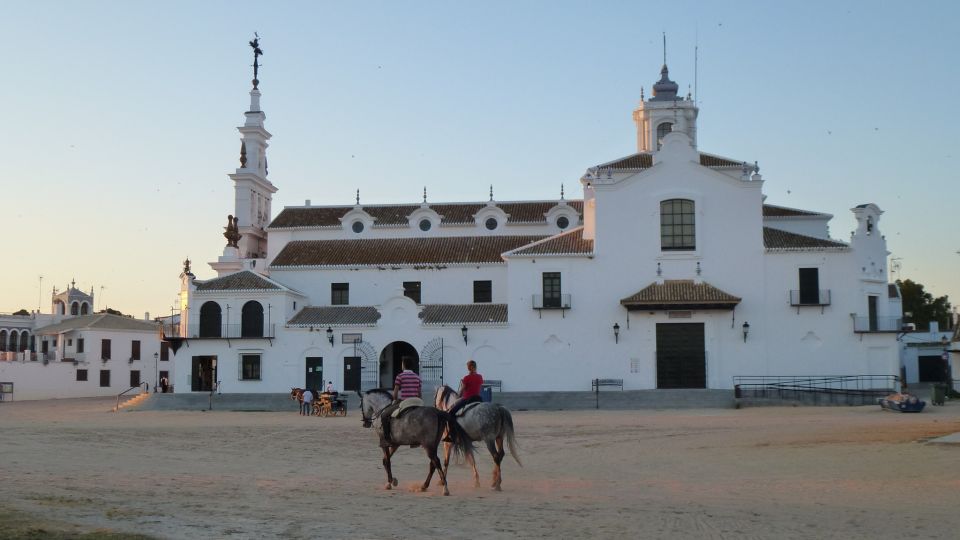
664,112
252,190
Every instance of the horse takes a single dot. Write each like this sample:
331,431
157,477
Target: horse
296,394
487,422
423,426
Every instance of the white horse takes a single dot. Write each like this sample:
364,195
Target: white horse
487,422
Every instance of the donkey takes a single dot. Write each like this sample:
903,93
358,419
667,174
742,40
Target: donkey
487,422
423,426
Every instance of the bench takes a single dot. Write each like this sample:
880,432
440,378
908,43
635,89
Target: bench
493,384
595,385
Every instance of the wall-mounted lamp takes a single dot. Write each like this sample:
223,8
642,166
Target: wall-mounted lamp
616,332
746,330
330,335
463,332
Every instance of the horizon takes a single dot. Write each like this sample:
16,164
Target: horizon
122,119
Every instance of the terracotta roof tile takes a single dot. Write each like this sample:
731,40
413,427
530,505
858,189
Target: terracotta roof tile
335,315
788,241
680,294
770,210
567,243
244,280
709,160
104,321
396,214
641,160
399,251
464,313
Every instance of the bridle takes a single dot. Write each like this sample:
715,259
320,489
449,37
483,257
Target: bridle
368,421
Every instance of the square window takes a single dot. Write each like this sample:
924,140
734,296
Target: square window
411,289
104,378
339,294
81,374
249,367
482,292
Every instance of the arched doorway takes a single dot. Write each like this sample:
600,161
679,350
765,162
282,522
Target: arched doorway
252,319
391,358
210,319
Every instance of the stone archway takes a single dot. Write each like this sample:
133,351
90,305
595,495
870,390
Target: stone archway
390,359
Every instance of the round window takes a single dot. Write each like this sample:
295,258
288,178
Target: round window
358,226
563,222
425,225
491,223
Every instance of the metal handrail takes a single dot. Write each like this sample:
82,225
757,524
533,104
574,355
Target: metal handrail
784,387
143,384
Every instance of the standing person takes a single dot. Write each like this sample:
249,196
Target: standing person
406,385
307,405
329,387
470,387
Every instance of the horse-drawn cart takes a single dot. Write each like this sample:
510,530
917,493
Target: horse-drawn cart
330,404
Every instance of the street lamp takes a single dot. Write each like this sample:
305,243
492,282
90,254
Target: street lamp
330,335
463,332
746,330
616,332
156,371
947,375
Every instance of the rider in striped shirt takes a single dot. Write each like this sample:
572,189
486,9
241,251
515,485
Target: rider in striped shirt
406,385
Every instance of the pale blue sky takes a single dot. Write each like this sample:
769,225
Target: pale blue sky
120,117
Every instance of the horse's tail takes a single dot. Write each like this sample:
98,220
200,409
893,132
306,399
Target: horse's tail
508,434
462,445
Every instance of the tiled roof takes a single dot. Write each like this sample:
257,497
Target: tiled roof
99,321
336,315
567,243
788,241
680,294
770,210
396,214
400,251
464,313
244,280
710,160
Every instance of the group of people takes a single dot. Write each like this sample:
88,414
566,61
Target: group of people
306,403
408,385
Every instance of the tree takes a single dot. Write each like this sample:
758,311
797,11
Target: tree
923,307
22,312
115,312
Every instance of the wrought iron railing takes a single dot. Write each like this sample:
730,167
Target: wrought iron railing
819,297
877,324
229,331
554,301
845,389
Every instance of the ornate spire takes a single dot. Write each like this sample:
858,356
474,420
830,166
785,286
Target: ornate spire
186,266
665,89
358,197
232,231
424,194
491,192
257,51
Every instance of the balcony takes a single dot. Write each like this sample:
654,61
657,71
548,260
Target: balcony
558,301
818,298
863,324
229,331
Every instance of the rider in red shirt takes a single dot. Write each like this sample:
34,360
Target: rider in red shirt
470,387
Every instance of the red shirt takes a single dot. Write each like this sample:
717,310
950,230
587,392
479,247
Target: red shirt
472,384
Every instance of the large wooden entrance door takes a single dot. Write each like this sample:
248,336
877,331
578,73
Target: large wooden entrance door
203,374
681,357
314,373
351,373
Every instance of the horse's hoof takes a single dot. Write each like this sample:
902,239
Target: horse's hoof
497,488
394,482
388,486
446,493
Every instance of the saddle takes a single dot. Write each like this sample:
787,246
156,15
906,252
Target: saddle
467,407
408,403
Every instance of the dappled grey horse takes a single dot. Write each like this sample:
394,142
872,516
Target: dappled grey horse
487,422
423,426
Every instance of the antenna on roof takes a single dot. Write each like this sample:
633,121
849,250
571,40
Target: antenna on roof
664,48
696,51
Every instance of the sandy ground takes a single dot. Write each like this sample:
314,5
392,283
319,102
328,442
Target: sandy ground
755,473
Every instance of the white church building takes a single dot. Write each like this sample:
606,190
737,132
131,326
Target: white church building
669,271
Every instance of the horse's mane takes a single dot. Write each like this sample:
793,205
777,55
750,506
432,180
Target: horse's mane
378,391
444,392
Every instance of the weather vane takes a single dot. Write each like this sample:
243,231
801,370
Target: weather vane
256,56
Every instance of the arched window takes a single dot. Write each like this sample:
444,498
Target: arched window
3,340
252,320
75,308
662,131
84,308
14,341
24,340
677,226
210,325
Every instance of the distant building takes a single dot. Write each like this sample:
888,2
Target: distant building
72,352
670,271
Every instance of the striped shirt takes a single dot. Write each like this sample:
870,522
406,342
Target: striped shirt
409,383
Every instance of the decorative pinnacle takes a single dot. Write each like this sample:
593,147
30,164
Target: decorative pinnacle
358,196
257,51
561,192
491,192
424,194
186,266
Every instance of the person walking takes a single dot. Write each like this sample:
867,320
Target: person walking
307,405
